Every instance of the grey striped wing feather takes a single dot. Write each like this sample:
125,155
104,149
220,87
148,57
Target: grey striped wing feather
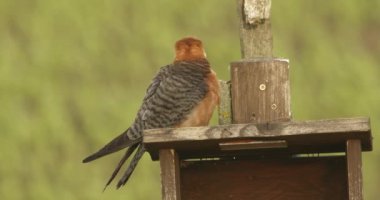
174,92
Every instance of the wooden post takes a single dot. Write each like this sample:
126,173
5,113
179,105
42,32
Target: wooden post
170,178
260,83
255,28
354,169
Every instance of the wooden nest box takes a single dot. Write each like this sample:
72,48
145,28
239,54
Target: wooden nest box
258,152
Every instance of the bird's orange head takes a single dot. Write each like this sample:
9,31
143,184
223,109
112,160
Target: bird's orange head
188,49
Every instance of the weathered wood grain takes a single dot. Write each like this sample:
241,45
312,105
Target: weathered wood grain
352,126
255,28
260,91
170,174
263,179
256,10
354,169
305,136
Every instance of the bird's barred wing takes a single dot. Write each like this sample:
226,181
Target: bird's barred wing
174,92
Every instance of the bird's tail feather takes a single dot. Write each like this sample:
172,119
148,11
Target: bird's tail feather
132,166
120,142
127,154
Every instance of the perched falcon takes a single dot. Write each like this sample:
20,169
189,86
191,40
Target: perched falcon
182,94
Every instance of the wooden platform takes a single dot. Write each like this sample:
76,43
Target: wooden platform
316,136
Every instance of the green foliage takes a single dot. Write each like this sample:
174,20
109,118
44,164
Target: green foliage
73,73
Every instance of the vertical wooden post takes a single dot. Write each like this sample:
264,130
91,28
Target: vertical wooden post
255,28
170,174
260,83
354,169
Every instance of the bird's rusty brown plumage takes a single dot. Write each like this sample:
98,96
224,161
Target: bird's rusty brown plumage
182,94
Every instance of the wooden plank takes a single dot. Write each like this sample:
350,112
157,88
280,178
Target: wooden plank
266,130
170,177
260,91
263,179
306,136
255,28
224,112
354,168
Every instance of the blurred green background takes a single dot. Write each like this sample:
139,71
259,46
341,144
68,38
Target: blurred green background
73,74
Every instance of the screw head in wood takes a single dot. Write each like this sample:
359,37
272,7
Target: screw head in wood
273,106
262,87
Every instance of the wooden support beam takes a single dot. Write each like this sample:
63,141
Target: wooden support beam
170,175
354,169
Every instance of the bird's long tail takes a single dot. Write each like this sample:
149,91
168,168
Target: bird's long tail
132,166
127,154
120,142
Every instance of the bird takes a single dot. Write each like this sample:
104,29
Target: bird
182,94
